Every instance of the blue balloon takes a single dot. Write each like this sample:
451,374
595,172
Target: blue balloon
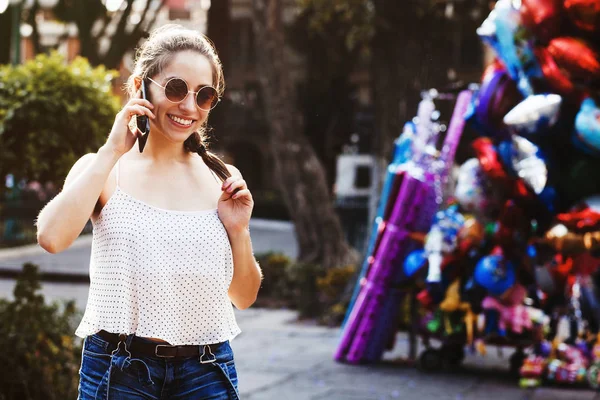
414,262
495,274
587,128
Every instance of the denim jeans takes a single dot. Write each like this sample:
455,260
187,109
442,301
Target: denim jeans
107,374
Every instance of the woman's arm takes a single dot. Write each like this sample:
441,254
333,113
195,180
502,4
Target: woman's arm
247,275
63,218
61,221
235,209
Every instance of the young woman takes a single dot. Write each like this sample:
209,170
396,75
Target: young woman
171,248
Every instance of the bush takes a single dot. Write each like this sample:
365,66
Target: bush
40,358
308,288
51,113
275,284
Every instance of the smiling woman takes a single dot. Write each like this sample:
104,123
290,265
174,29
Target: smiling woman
171,247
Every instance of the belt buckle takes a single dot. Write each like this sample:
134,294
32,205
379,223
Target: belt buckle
156,350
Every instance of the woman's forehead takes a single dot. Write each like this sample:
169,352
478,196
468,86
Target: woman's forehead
193,67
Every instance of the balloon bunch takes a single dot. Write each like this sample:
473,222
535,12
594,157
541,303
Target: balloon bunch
513,257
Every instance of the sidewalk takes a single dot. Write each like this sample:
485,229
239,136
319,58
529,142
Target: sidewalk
280,359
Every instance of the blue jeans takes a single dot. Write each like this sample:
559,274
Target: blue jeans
122,376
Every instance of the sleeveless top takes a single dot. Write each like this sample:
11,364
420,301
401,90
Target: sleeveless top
159,273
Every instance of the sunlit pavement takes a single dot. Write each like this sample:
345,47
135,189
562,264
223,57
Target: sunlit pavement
280,359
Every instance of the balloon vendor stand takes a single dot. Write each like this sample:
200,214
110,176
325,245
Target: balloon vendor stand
502,247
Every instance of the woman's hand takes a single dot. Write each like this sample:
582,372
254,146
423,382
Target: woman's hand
121,138
235,205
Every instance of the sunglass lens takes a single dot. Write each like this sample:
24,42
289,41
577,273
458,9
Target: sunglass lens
207,98
176,90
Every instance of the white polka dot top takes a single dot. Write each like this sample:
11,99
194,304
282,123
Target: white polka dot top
160,274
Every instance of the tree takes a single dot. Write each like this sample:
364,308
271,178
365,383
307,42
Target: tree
298,171
51,114
95,25
331,41
412,46
5,33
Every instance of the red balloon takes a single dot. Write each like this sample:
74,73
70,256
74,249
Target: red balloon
585,14
488,158
557,80
542,17
575,57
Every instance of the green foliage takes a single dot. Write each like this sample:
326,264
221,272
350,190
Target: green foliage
352,19
52,113
308,288
40,358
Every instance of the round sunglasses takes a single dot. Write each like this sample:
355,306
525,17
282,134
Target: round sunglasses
176,90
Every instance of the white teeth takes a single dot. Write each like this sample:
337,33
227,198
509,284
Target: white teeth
181,120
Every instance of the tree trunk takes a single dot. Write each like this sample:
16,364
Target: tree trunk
5,32
218,28
298,171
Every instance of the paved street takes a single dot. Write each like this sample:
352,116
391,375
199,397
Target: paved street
279,358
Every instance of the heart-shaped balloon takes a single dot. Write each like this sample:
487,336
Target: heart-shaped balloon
587,127
542,17
576,57
585,14
556,79
535,114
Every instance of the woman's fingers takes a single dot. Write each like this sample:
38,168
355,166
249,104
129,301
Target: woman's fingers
130,111
244,193
142,102
238,183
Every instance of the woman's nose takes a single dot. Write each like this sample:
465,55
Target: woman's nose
189,103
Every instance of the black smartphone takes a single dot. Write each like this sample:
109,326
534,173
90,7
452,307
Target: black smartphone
142,121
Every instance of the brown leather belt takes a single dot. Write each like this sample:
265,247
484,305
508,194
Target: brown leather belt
148,349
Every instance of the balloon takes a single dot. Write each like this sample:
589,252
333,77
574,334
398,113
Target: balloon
414,262
515,44
495,274
542,17
587,127
528,163
593,202
497,95
472,189
470,235
534,114
585,14
488,158
556,79
575,57
487,31
583,216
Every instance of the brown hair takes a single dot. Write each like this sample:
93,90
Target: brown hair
154,55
